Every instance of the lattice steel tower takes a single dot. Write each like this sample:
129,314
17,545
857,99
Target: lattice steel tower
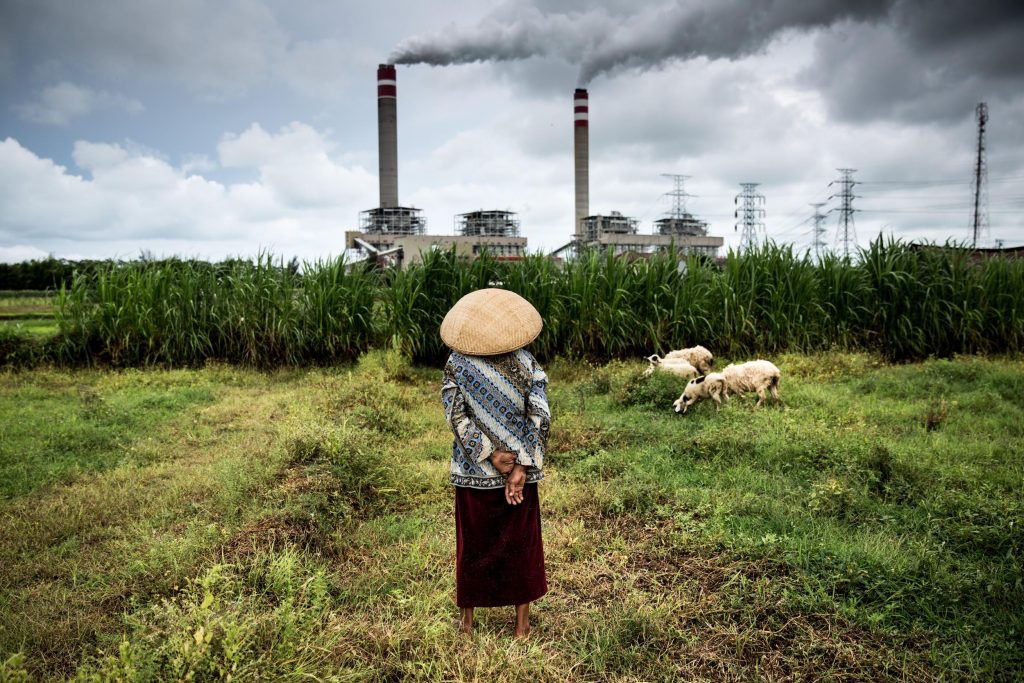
845,231
819,230
678,195
752,210
979,220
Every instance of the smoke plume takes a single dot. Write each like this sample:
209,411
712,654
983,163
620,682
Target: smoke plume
601,41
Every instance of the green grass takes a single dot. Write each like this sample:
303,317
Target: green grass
27,315
59,425
41,327
298,525
26,307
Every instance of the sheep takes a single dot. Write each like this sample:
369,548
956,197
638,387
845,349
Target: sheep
676,366
755,375
697,356
711,385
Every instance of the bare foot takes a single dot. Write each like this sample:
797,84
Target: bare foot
466,620
523,621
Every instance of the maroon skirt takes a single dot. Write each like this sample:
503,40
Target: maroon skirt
499,555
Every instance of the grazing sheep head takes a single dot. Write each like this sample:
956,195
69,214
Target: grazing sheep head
654,359
691,394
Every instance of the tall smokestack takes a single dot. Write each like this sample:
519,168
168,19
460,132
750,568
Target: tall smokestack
387,135
581,148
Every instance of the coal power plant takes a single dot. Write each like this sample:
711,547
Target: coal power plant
679,228
581,157
393,234
389,218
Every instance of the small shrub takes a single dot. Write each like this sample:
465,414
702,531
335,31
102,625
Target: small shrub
375,404
657,390
937,413
598,384
391,364
19,350
813,451
890,479
831,498
261,623
361,480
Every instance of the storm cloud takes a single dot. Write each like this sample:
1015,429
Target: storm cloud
964,40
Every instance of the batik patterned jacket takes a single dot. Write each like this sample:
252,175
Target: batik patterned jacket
495,403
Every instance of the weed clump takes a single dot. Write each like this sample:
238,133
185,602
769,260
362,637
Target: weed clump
18,350
891,479
937,413
831,498
264,621
357,479
656,391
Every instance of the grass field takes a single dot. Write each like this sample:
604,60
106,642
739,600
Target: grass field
221,522
30,314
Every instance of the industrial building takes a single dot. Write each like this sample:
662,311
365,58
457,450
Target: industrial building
489,223
613,224
615,231
396,235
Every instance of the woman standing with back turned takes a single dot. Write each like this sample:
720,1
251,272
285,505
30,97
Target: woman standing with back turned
495,400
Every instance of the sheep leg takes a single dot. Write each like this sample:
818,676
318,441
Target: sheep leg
761,397
718,402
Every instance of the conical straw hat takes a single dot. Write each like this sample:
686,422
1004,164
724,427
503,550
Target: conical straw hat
490,321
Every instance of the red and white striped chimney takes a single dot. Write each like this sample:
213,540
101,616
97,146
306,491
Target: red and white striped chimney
387,134
581,148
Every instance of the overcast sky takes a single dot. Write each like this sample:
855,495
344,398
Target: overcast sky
216,128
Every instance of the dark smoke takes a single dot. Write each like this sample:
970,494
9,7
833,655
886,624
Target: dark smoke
601,42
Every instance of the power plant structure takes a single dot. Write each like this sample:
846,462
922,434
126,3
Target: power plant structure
612,224
581,157
679,228
392,234
389,218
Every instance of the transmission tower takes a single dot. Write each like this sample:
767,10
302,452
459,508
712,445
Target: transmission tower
979,221
819,230
752,215
678,195
845,231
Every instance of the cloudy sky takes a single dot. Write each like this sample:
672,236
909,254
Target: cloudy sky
213,128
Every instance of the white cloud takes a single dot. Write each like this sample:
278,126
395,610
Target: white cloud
296,167
126,199
21,252
58,104
197,163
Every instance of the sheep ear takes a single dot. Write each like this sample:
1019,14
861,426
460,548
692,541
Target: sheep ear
698,380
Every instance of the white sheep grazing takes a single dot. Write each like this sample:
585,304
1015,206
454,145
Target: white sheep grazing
755,375
711,385
677,366
697,356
